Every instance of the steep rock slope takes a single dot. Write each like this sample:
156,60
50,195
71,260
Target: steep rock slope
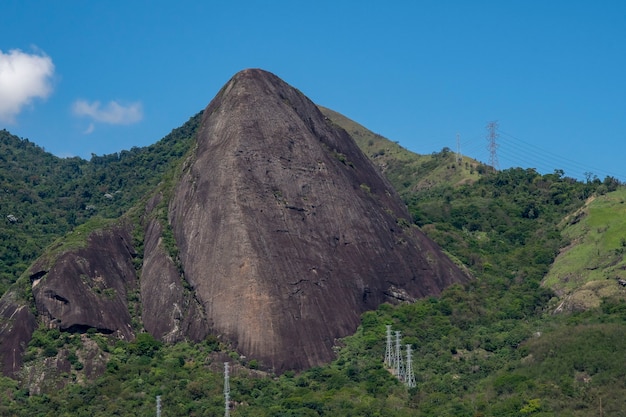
17,324
170,310
87,287
286,230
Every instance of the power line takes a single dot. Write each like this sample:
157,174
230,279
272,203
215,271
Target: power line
539,154
564,162
518,153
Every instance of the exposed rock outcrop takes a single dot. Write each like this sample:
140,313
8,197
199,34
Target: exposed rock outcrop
170,310
74,290
87,287
17,324
286,230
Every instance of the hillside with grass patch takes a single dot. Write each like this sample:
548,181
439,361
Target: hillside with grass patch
589,267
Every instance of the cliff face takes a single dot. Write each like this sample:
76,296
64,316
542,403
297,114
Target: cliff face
170,310
287,232
17,324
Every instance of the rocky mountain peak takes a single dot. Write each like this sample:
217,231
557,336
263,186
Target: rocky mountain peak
286,230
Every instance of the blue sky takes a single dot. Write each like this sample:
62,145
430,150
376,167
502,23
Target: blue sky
83,77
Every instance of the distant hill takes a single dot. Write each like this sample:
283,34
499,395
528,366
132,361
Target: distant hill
39,201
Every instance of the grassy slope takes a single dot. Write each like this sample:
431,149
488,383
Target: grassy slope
408,171
586,270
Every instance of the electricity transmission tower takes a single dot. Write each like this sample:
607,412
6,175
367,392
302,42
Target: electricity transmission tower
393,360
398,359
459,158
158,399
389,350
492,137
409,379
226,391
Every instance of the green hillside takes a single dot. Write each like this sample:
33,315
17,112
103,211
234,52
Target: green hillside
38,202
491,348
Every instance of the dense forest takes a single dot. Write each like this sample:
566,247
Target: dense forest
493,347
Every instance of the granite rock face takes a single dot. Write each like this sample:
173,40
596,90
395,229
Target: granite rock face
88,287
286,230
170,309
17,324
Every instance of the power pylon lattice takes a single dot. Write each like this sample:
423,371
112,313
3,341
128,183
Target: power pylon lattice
158,406
409,378
399,366
226,391
389,349
492,138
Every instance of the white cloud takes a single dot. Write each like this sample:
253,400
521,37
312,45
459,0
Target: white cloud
90,129
23,77
112,113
